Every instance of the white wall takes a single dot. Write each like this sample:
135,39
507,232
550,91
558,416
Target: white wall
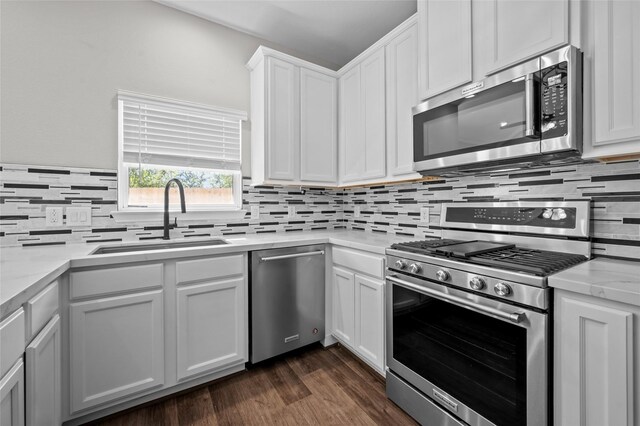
62,62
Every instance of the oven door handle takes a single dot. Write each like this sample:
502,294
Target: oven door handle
515,317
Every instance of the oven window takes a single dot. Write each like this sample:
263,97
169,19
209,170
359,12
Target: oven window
479,360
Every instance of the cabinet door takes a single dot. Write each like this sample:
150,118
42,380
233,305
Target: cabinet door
402,95
282,120
117,347
211,326
352,147
318,127
594,362
518,30
370,320
616,72
43,377
344,306
372,101
445,45
12,396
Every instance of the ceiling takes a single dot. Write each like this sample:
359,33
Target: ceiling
335,31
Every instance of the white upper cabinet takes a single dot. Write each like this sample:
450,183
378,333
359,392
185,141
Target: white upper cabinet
362,119
318,127
372,71
402,95
282,119
352,145
444,45
293,120
611,45
513,31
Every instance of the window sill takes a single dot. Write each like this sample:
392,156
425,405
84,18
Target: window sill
137,216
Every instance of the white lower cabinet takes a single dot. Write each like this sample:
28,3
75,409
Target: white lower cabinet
369,310
343,306
597,364
358,314
117,347
12,396
43,387
210,326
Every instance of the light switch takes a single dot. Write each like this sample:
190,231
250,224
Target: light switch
78,216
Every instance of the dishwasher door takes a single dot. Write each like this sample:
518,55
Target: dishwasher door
287,299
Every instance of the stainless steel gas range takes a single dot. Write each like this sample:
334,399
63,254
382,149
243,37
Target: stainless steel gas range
469,315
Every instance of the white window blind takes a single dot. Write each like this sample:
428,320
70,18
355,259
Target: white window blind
165,132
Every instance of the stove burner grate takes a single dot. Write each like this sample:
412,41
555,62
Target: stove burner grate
538,262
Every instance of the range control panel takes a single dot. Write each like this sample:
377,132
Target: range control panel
554,101
546,217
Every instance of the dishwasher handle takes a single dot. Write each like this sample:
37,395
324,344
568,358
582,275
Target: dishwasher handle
291,256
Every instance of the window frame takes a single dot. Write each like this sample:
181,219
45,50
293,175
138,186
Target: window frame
199,211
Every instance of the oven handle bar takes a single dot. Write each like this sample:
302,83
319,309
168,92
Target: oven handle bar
515,317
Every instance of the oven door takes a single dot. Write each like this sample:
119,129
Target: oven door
484,361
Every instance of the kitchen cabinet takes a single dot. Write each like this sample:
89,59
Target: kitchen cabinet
318,127
344,306
611,37
597,367
210,326
358,304
116,347
282,121
369,310
294,120
150,328
43,386
513,31
444,41
402,95
363,119
12,396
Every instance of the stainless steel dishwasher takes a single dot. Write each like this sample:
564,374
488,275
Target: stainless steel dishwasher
287,299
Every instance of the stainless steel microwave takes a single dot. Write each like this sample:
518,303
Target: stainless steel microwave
524,116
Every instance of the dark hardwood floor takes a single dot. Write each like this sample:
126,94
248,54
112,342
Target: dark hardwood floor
316,386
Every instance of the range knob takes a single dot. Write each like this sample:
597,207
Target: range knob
442,275
502,289
401,264
477,283
414,268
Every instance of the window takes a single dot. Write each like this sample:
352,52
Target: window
161,139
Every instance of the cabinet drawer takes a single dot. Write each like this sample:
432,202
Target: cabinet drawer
204,269
11,340
115,280
366,263
41,309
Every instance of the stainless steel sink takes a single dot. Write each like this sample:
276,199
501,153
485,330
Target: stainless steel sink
158,246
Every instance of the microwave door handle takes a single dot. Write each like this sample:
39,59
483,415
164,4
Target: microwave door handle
515,317
530,104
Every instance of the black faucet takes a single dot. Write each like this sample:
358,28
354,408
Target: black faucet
166,205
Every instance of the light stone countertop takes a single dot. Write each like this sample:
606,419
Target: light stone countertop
24,271
612,279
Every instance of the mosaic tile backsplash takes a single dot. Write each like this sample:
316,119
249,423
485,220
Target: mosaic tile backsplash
614,190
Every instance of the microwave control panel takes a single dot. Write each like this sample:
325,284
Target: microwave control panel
554,101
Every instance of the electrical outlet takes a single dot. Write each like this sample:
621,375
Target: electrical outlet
255,212
356,211
54,216
292,211
78,216
424,214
